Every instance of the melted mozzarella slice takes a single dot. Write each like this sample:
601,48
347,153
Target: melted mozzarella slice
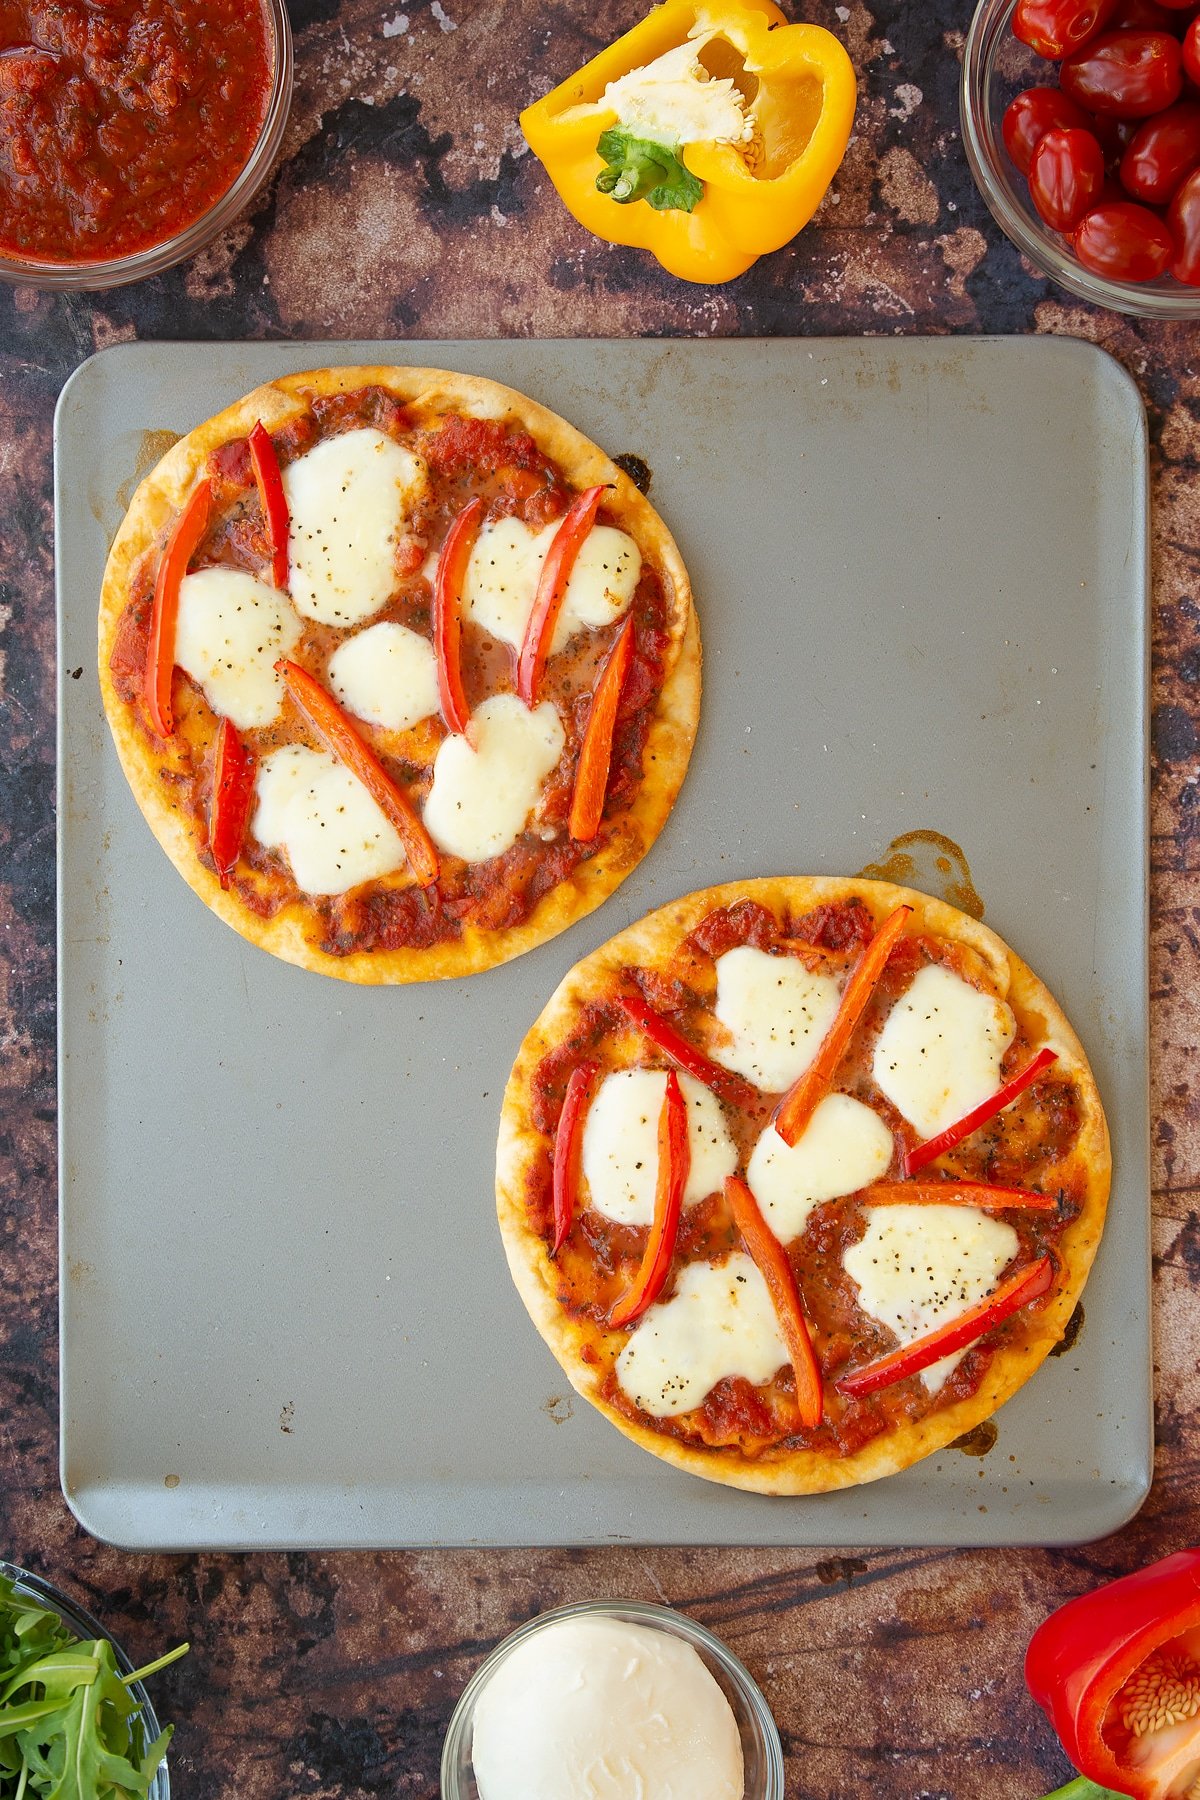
482,797
502,578
918,1267
349,498
719,1322
620,1144
231,630
387,674
777,1011
321,816
940,1049
843,1147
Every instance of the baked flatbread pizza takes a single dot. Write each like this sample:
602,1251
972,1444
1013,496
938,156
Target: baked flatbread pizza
403,671
800,1179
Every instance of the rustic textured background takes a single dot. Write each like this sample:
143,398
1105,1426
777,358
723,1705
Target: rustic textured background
405,204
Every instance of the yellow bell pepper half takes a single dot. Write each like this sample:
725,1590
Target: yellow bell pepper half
796,90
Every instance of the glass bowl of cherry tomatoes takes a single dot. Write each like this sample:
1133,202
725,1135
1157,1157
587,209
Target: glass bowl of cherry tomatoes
1081,120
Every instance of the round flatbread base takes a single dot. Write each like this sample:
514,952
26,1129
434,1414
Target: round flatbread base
1027,1344
286,933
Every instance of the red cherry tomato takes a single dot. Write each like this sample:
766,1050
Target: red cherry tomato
1191,51
1113,135
1161,152
1129,74
1034,113
1066,177
1143,15
1184,219
1123,242
1056,27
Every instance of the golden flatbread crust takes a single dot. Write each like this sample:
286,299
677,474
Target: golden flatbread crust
649,943
158,501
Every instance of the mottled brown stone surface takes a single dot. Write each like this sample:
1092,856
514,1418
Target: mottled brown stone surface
404,205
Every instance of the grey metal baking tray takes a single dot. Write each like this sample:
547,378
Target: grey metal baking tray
921,571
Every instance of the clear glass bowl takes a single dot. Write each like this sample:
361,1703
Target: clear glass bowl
996,66
119,270
761,1749
84,1626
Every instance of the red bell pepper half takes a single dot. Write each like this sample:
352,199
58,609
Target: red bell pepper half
674,1161
234,769
567,1141
448,584
803,1097
186,534
1117,1671
274,503
664,1035
336,730
1027,1284
981,1194
595,756
987,1109
561,558
776,1271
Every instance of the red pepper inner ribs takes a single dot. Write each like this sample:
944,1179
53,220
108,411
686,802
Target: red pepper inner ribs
904,1287
425,570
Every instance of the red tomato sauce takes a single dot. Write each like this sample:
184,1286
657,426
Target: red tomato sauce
123,121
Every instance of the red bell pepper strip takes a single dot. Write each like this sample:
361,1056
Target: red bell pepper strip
335,729
921,1154
561,557
982,1194
653,1026
274,503
567,1141
674,1161
595,756
803,1097
1105,1657
448,584
186,534
776,1271
234,769
1027,1284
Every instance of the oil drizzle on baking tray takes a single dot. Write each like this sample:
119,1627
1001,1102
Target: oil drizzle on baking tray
932,862
152,449
979,1441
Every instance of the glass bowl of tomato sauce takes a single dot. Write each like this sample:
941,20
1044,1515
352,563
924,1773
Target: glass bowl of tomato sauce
133,133
997,67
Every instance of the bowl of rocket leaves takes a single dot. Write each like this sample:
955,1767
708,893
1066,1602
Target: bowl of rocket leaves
76,1722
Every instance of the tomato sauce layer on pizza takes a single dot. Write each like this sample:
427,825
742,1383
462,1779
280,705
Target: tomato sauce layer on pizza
403,671
800,1179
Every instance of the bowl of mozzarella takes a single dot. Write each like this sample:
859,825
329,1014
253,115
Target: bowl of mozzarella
612,1696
